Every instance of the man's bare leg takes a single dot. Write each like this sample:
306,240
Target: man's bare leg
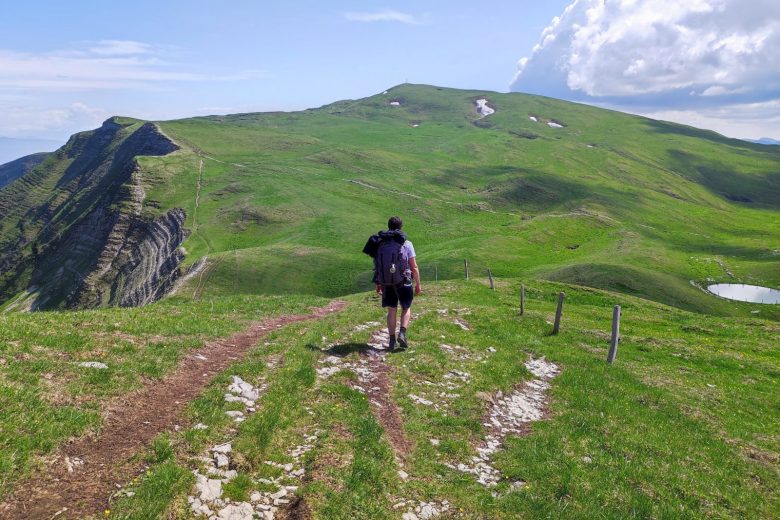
391,319
406,316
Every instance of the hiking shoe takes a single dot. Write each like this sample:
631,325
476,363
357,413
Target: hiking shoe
391,344
402,339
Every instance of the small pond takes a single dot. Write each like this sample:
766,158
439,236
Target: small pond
745,293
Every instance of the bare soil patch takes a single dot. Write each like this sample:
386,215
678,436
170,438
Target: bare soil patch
379,390
298,509
129,425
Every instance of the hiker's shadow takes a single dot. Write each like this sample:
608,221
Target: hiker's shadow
345,349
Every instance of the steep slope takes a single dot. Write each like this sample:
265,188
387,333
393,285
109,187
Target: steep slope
11,171
282,202
72,235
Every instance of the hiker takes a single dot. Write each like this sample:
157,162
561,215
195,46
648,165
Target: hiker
395,269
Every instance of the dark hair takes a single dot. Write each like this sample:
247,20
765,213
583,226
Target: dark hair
394,223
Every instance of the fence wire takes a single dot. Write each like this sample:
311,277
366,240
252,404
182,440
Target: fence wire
446,270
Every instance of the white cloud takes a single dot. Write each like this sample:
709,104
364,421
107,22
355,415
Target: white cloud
107,64
120,48
627,47
743,121
21,119
383,16
40,92
665,56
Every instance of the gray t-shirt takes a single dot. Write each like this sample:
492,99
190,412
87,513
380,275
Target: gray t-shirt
408,249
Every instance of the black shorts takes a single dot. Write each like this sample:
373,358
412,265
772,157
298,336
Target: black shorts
392,295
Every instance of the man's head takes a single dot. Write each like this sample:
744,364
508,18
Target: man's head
394,223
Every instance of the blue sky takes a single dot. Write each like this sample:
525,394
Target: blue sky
66,66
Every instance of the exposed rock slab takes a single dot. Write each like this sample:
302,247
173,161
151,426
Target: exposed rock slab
510,415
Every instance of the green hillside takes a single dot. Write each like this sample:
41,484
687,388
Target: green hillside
610,200
281,203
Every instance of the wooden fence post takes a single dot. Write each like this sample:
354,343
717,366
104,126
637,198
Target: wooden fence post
466,267
522,299
490,277
615,335
558,313
436,267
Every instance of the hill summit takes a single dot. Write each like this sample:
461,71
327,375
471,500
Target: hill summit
282,202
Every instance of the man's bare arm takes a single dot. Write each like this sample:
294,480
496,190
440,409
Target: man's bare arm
415,275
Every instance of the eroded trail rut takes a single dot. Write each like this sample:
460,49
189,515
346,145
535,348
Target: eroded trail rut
104,460
375,383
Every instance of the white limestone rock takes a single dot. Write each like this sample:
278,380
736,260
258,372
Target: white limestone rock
93,364
240,511
208,489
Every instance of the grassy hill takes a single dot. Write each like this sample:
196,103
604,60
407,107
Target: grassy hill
610,200
281,203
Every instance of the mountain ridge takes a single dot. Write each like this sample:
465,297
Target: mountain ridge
81,223
765,141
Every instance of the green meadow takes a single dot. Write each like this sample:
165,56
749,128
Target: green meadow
683,425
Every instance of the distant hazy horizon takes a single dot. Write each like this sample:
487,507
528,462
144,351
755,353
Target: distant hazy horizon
12,149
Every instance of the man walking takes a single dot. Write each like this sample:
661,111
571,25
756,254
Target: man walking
395,270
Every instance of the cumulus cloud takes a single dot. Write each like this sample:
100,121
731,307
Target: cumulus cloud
658,54
386,15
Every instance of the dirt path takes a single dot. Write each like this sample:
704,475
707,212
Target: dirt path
198,186
375,382
98,463
380,394
195,226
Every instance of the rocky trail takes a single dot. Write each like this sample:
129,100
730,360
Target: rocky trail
374,381
279,500
85,472
216,470
505,415
510,414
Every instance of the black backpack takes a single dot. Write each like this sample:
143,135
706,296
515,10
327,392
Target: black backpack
391,265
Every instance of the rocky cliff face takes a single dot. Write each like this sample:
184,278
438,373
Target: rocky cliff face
139,269
83,241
